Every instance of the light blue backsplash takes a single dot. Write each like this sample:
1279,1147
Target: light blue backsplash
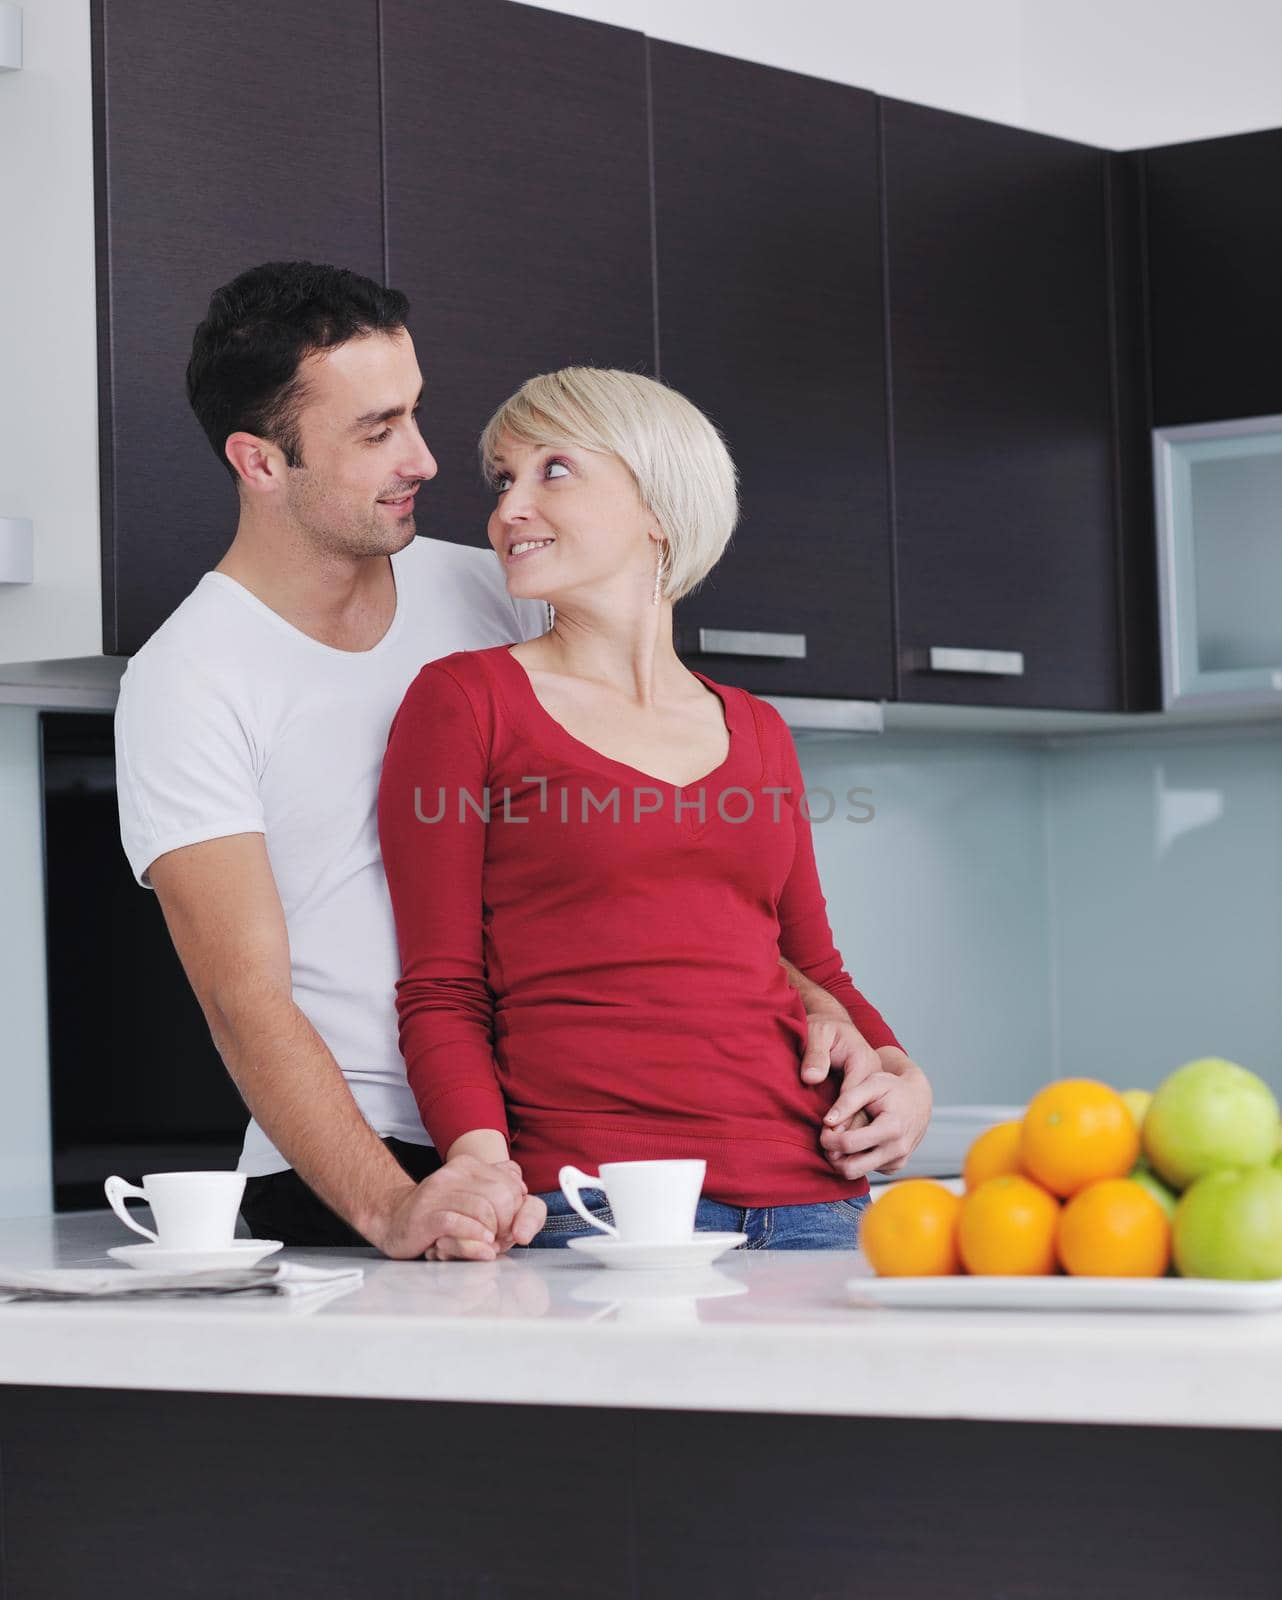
939,903
1106,906
1166,901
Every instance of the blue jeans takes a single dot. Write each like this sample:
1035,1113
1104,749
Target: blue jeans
823,1225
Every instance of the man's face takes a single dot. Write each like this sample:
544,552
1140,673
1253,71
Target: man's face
361,448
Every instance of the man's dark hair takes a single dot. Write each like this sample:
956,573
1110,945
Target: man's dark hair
243,374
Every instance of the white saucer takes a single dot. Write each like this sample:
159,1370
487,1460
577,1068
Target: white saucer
150,1257
695,1252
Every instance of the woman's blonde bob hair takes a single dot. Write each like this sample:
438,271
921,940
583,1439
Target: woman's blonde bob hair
682,468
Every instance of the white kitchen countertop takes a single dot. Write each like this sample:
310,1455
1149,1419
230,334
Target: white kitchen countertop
759,1332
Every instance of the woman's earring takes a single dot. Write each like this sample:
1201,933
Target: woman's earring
659,575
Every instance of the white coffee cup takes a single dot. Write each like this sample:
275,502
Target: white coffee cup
653,1202
192,1210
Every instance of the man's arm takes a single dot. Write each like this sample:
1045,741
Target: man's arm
822,1009
816,999
225,918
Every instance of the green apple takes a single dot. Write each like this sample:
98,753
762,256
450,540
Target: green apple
1137,1103
1209,1114
1153,1185
1229,1225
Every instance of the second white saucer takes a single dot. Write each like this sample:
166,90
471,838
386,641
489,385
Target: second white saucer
696,1251
151,1258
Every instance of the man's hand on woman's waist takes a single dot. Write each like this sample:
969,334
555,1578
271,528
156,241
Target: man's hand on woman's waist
879,1117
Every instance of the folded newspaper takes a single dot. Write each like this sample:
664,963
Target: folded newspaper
129,1283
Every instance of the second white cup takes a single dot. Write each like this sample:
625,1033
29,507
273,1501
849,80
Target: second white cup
653,1202
193,1210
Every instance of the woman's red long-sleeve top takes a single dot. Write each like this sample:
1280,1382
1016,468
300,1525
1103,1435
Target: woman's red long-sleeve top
590,957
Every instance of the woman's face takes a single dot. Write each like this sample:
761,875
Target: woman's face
569,521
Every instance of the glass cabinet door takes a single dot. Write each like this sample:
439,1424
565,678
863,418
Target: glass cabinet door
1219,523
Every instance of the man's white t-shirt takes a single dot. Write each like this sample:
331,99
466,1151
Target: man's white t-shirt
231,720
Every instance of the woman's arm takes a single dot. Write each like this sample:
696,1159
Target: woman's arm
435,757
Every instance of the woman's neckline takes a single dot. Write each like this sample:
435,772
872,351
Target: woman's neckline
559,729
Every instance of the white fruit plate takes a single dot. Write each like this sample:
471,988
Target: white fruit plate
965,1293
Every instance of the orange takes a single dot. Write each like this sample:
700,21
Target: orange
994,1152
911,1230
1114,1229
1007,1227
1077,1131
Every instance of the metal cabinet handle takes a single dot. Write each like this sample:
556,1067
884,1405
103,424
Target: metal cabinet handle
849,716
729,642
1003,663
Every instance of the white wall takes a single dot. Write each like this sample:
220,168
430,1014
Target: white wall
961,57
1118,73
1132,73
48,472
48,349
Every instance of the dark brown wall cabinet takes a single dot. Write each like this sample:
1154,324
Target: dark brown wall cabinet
1215,278
920,333
1006,535
769,290
225,136
518,214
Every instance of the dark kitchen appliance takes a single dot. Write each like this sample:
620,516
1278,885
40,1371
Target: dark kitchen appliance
136,1084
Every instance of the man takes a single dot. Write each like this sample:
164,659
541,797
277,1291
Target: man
250,733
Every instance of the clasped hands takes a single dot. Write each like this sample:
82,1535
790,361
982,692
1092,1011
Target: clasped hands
470,1209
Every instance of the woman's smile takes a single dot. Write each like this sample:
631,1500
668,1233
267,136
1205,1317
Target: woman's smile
526,547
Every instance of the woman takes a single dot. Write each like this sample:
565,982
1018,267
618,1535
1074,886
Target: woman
597,857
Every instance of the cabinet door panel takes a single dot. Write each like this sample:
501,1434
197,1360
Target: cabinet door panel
769,287
1005,522
518,214
1214,266
1141,664
225,136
